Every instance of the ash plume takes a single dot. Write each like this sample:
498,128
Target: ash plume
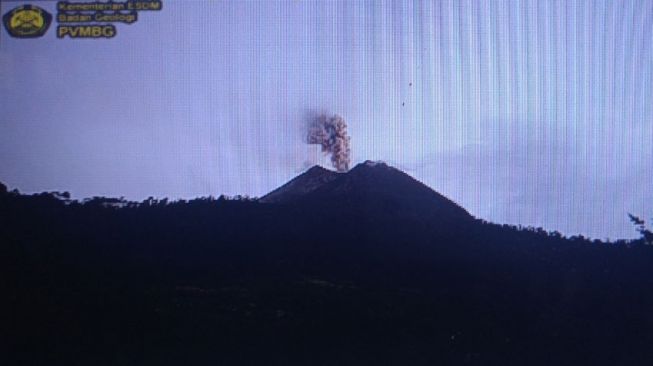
330,132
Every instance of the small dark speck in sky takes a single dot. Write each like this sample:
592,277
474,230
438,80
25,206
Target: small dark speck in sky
410,84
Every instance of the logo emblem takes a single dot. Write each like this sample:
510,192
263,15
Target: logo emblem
27,21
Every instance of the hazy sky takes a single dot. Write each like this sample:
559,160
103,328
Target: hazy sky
525,112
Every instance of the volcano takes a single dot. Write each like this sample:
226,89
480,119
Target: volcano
370,187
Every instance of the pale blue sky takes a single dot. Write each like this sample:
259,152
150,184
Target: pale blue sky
525,112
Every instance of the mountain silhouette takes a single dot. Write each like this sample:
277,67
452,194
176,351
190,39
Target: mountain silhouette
369,186
365,267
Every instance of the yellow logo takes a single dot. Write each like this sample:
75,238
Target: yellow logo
27,21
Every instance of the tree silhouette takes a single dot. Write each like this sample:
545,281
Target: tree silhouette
647,235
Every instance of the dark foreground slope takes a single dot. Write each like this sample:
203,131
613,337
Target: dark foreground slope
342,275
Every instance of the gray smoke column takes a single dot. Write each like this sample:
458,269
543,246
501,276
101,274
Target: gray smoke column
330,132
